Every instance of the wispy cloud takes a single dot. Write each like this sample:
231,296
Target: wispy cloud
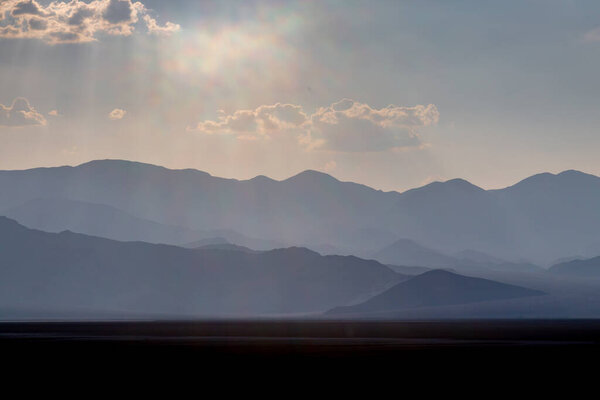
20,114
75,21
345,126
117,114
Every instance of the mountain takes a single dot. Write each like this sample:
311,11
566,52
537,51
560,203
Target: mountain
583,268
540,219
437,288
63,271
310,206
57,215
407,252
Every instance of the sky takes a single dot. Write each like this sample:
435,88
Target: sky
392,94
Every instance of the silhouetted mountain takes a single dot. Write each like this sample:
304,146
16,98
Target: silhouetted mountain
435,288
302,209
57,215
542,218
583,268
553,215
40,270
407,252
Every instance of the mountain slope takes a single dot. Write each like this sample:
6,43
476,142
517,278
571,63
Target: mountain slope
437,288
57,215
40,270
583,268
407,252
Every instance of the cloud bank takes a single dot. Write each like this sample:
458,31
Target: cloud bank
345,126
20,114
75,21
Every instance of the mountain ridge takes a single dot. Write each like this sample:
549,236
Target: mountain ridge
539,223
69,269
303,172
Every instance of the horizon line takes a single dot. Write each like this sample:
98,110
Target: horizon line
262,176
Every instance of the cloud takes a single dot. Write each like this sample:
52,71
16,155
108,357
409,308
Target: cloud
75,21
54,113
117,114
352,126
156,29
20,114
263,121
344,126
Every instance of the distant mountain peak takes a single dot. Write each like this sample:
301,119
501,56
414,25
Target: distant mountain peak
453,185
121,164
460,184
311,175
562,179
262,178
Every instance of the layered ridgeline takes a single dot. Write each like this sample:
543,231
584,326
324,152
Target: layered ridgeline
543,218
588,268
405,252
66,272
436,288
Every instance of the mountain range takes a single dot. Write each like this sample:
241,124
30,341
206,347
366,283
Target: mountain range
66,271
406,252
540,219
589,268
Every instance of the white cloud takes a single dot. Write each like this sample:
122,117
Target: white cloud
117,114
352,126
345,126
75,21
54,113
20,114
156,29
263,121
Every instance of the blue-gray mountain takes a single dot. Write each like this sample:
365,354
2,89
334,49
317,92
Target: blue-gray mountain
589,268
68,272
406,252
437,288
543,218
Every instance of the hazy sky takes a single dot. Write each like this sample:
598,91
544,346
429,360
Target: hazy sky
391,94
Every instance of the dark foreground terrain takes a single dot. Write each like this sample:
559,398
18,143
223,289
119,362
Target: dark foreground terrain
289,345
